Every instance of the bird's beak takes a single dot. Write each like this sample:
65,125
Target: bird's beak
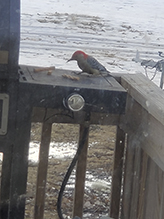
70,60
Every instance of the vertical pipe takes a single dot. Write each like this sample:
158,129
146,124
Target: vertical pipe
80,172
42,171
162,76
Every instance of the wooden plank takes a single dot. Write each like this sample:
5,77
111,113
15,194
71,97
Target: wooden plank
40,114
151,199
80,172
148,130
161,190
147,200
56,79
142,199
19,151
146,93
117,174
131,124
128,179
154,192
136,180
144,123
5,184
153,142
42,171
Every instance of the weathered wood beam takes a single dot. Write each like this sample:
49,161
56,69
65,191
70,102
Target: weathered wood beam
146,93
81,171
64,116
117,174
144,118
42,171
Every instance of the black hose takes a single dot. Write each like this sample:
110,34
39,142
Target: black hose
69,171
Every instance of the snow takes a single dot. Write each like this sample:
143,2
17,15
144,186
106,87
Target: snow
112,31
58,150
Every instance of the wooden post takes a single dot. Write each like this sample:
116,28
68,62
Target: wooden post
128,179
136,180
142,195
117,174
80,173
12,199
5,184
42,171
19,165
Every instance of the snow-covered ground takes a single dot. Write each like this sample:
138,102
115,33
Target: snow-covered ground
112,31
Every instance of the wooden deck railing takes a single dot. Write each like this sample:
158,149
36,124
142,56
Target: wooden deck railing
137,185
143,191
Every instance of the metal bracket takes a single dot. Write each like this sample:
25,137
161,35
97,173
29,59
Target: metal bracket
4,109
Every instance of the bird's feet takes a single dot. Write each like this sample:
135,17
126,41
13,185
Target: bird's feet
77,73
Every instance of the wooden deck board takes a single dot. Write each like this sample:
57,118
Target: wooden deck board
146,93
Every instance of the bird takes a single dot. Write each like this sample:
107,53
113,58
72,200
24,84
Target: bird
88,64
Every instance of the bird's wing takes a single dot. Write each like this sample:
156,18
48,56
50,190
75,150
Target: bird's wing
95,64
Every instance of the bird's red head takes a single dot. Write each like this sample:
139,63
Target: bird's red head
76,54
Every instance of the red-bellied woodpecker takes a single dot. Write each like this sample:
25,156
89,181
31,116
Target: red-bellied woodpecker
88,64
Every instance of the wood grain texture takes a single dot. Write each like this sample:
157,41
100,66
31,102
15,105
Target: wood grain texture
42,171
144,115
143,192
146,93
117,174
